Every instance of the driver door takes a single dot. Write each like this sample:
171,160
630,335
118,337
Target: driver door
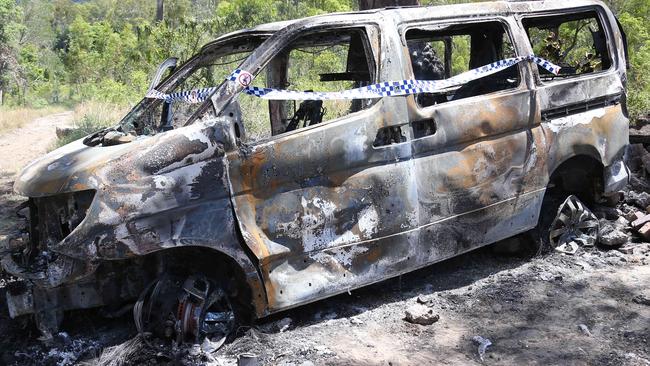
313,200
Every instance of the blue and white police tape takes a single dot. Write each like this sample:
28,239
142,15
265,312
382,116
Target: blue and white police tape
379,90
190,96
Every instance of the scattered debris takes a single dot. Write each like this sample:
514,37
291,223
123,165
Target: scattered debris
545,276
209,347
247,359
420,314
639,199
424,299
585,329
356,321
483,344
641,299
568,248
283,324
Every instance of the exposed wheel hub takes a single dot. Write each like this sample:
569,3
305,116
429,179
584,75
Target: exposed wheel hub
184,310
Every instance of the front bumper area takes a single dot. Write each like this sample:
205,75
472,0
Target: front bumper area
24,298
62,284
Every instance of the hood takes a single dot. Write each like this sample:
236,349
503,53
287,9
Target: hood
66,169
76,167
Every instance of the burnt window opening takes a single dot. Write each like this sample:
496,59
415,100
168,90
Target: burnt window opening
441,53
575,42
388,136
325,61
423,128
398,134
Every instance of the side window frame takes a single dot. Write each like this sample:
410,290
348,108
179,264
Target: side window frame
368,30
602,20
439,23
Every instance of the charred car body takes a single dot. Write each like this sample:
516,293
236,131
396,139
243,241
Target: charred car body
201,213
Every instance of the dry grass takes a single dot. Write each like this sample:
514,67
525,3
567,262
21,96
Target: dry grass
118,355
103,113
90,117
12,118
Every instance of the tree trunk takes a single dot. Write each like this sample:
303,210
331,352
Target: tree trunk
1,98
160,10
374,4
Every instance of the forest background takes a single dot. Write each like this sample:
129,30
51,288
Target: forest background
98,56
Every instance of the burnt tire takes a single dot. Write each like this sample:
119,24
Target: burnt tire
540,235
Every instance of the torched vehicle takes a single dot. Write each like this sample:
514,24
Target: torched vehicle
202,215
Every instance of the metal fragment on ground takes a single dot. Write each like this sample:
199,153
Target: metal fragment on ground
483,344
585,329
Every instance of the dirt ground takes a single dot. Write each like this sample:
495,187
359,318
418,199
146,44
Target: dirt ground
592,308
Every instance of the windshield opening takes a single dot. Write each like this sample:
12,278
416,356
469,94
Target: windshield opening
207,69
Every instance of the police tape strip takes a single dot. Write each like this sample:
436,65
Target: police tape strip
379,90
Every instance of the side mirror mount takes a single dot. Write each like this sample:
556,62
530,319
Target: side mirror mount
166,116
170,64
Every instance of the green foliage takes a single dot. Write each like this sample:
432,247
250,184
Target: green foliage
638,38
65,51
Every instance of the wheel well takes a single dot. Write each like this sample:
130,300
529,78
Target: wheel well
186,261
581,175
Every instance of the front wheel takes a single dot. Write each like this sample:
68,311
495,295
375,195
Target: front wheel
185,309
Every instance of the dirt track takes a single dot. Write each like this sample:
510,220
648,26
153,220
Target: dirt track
531,309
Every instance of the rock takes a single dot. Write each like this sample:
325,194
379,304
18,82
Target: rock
633,215
611,234
641,221
641,299
420,314
641,200
545,276
604,212
622,222
645,161
626,249
195,350
636,249
645,231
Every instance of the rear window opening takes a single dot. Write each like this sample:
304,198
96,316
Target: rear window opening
575,42
441,53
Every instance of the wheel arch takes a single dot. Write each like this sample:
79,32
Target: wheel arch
243,280
580,174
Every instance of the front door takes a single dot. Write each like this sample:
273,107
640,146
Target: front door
315,188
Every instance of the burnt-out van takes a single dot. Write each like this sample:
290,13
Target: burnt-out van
298,160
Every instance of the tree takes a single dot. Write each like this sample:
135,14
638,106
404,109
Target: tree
160,10
374,4
9,68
